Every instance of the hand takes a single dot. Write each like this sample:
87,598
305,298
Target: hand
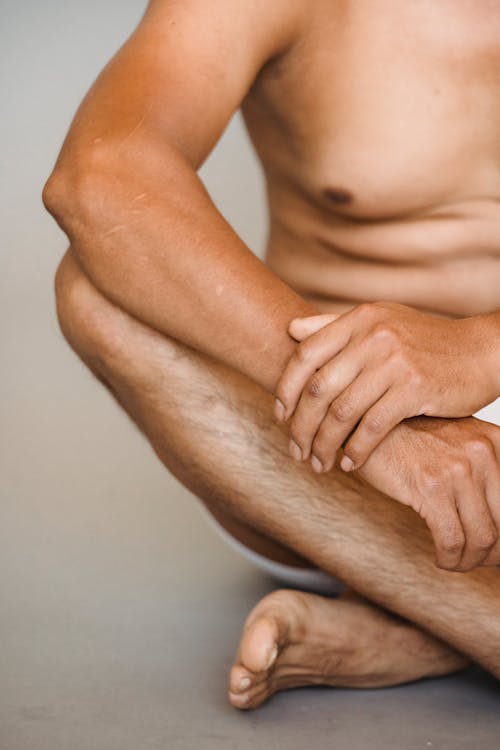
377,365
448,471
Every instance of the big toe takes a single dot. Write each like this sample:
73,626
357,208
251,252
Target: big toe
257,654
259,644
265,635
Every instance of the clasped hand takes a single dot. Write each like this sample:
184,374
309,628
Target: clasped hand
355,378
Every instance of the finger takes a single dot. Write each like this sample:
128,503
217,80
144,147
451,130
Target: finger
343,414
301,328
319,392
492,484
492,491
446,529
486,457
391,409
474,513
310,355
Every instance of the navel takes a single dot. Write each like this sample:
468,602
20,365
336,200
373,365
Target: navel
338,195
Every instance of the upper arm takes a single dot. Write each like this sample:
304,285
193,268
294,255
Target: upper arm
183,73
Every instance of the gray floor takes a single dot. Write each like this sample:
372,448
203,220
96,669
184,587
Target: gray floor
120,610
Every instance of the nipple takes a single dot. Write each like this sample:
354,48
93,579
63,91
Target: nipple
338,195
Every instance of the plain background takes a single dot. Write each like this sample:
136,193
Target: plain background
119,608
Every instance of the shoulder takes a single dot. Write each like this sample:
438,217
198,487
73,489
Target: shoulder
260,28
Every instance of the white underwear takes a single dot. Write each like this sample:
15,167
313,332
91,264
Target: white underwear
310,579
306,579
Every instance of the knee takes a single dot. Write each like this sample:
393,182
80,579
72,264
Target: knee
78,307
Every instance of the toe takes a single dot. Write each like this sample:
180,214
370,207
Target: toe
239,700
240,679
265,637
258,695
259,645
269,628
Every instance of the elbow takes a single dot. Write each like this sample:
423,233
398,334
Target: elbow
55,195
74,194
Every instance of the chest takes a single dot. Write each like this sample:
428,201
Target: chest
384,106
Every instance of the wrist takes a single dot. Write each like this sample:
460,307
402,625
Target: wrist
489,335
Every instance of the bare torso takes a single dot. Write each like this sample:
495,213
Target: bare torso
379,134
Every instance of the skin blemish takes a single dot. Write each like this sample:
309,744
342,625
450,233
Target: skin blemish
140,196
97,140
134,129
114,230
338,195
219,289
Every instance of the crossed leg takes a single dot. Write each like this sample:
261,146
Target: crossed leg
212,429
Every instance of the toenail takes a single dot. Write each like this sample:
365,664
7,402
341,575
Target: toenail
245,683
316,465
294,450
272,657
240,698
347,464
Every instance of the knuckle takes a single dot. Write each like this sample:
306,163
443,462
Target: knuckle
366,310
302,353
316,386
452,542
459,468
375,423
486,540
480,448
341,411
448,533
383,332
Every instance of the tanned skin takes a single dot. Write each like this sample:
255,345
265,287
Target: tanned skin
377,125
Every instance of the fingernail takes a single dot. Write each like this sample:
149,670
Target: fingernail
272,657
245,683
279,410
346,464
294,450
316,465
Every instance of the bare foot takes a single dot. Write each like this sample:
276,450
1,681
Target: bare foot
292,639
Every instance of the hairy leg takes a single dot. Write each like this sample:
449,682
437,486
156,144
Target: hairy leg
211,427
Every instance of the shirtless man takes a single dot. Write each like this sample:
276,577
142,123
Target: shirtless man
377,123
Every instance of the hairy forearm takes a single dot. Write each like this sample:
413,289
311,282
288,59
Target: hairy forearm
149,237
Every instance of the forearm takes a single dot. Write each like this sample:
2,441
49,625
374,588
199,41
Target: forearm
149,237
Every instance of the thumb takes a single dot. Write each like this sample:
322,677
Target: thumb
302,328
